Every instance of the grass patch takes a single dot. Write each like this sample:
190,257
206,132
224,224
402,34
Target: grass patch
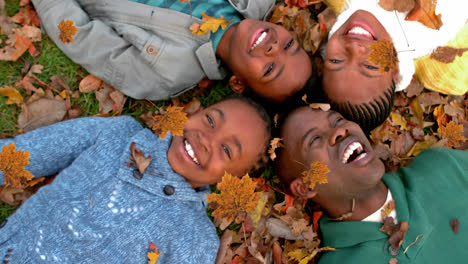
6,210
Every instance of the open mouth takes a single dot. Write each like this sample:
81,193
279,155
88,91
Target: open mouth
358,31
353,152
259,38
190,152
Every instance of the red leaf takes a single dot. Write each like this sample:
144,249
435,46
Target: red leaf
151,246
289,202
315,218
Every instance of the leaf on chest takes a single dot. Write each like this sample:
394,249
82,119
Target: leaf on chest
138,156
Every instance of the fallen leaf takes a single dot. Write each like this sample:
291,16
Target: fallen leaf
209,24
67,31
396,238
315,218
172,121
415,88
421,145
12,163
397,5
42,112
138,156
447,54
90,83
452,132
455,225
14,97
106,104
424,12
237,196
384,55
316,174
303,257
153,255
321,106
224,244
274,144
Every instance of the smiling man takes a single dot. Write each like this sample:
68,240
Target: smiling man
146,49
429,195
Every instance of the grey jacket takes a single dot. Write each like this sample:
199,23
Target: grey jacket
144,51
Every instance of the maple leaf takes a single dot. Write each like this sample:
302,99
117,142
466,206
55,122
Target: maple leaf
153,255
447,54
237,196
274,144
67,31
138,156
317,174
424,12
14,97
384,55
209,24
172,121
12,164
452,132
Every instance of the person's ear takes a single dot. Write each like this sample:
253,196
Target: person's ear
396,72
237,85
300,189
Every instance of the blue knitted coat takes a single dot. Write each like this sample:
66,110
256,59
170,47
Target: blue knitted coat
99,209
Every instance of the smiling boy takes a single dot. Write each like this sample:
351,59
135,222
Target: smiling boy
147,49
101,209
427,195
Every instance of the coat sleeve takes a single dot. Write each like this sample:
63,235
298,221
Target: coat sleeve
55,147
253,9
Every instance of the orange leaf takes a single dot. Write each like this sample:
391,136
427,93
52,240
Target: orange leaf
67,31
153,255
14,97
384,55
90,83
152,246
315,218
452,132
289,202
209,24
424,12
22,44
237,196
172,121
274,144
12,164
138,156
317,174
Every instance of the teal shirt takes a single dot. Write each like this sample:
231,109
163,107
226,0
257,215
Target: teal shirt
428,194
213,8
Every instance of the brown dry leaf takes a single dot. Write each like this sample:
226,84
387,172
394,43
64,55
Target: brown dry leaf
321,106
12,163
172,121
396,238
415,88
90,83
31,32
41,112
58,84
447,54
14,97
138,156
424,12
388,208
209,24
119,100
106,104
455,225
67,31
452,132
26,16
274,144
6,24
224,244
317,174
398,5
237,196
192,106
384,55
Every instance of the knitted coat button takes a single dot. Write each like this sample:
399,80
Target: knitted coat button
3,223
151,50
169,190
137,174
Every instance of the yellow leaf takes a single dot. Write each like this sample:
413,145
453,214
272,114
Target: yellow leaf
172,121
384,55
14,97
303,257
317,174
452,132
153,255
209,24
12,164
67,31
397,119
418,111
274,144
421,145
237,196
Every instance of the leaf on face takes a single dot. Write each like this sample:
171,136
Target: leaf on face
384,55
14,97
138,156
447,54
153,255
172,121
316,174
12,163
452,132
274,144
424,12
237,196
67,31
398,5
209,24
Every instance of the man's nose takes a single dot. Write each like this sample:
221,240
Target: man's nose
336,135
272,48
356,49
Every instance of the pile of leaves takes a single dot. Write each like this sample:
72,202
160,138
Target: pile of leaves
256,220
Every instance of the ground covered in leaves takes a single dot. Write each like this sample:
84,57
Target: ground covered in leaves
256,220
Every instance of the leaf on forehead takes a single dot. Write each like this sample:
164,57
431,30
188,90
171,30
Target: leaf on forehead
274,144
14,97
424,12
67,31
12,163
323,107
237,196
397,5
209,24
447,54
452,132
316,174
384,55
172,121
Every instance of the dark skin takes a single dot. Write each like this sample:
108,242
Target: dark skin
348,76
274,68
313,135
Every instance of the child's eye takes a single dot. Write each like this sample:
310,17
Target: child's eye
210,121
269,70
313,139
338,121
335,61
370,67
289,44
226,150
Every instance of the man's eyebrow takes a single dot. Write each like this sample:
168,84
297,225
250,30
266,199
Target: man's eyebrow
307,134
238,144
331,113
220,113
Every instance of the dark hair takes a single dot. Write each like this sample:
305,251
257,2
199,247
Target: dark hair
368,115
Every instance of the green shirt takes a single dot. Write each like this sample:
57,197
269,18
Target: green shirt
213,8
428,194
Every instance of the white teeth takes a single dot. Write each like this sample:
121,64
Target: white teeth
350,149
360,31
189,150
259,40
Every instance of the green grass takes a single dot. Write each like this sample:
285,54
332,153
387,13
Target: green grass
5,211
